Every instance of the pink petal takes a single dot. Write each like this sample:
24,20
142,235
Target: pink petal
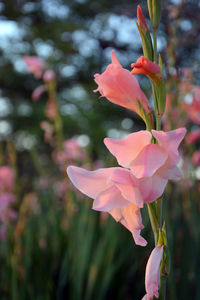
168,171
170,141
130,217
109,199
114,58
120,87
152,275
96,185
127,149
128,185
152,187
90,183
148,161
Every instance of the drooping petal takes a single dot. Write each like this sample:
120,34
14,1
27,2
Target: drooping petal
170,141
152,275
128,185
127,149
130,217
149,160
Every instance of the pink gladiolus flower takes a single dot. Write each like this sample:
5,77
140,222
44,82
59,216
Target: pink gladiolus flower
193,137
120,87
48,76
37,93
145,159
6,179
148,68
35,65
152,275
114,191
141,19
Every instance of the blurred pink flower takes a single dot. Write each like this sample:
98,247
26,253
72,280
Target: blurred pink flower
196,158
73,150
193,109
152,275
118,199
120,87
48,76
37,93
193,136
6,179
48,130
51,109
35,65
5,212
146,67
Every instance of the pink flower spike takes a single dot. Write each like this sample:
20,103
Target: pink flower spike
148,68
120,87
127,149
37,93
35,65
152,275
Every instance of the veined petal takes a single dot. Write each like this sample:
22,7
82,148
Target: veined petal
128,185
109,199
152,187
90,183
127,149
149,160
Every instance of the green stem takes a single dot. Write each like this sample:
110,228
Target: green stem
155,45
158,122
153,220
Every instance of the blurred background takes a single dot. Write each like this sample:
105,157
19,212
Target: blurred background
53,246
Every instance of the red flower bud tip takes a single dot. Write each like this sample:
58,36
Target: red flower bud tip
148,68
141,19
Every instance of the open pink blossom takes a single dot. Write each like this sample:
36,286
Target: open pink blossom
113,191
145,159
120,87
152,275
146,67
35,65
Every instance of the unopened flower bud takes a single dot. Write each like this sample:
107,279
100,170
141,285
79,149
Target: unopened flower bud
154,7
